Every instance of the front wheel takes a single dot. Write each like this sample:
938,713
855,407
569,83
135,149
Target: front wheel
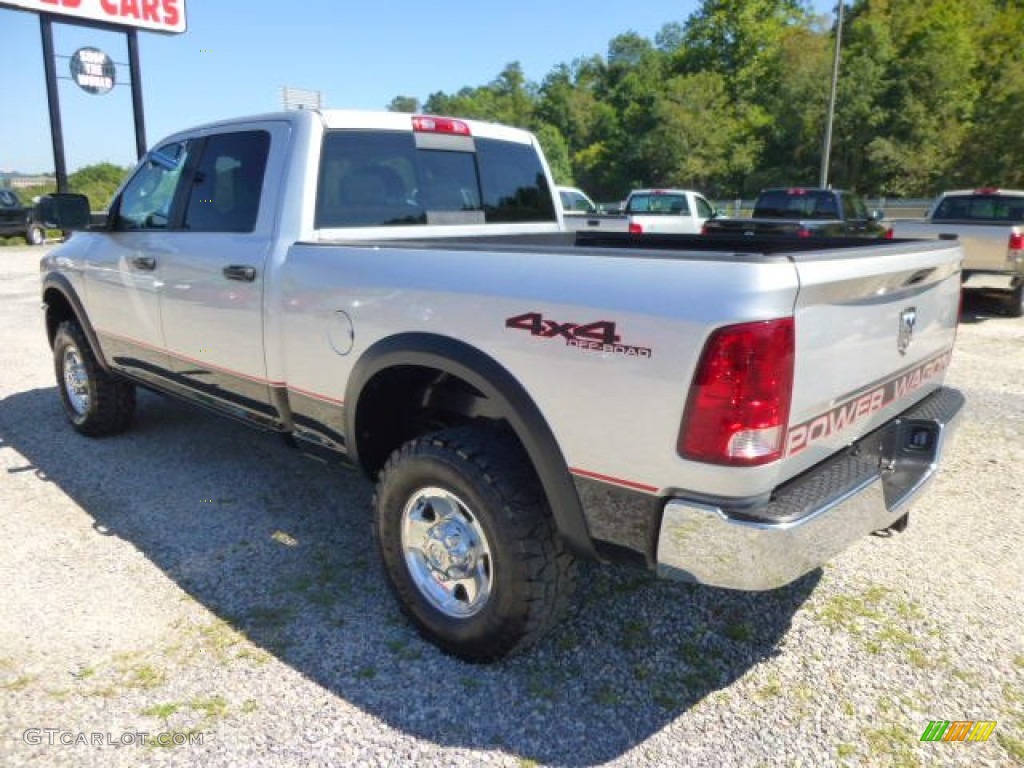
469,544
95,402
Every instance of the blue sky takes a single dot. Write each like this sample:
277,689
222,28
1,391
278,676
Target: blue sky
235,57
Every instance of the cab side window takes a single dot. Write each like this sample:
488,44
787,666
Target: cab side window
148,197
704,209
226,186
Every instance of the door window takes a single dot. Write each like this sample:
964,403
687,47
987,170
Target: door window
225,193
148,197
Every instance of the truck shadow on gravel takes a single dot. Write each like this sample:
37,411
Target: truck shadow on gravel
281,548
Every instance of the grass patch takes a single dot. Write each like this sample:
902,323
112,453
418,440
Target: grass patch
211,708
608,696
163,711
844,750
400,647
145,676
366,673
19,683
771,689
540,686
846,611
569,640
635,635
1014,747
893,743
739,632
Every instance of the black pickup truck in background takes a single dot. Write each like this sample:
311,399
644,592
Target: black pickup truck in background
804,212
17,219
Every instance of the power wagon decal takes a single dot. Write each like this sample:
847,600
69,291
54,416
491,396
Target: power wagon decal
600,336
863,405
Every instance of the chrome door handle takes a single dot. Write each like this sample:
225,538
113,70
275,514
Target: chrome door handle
238,272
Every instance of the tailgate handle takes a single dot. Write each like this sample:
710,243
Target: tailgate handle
147,263
948,236
919,276
238,272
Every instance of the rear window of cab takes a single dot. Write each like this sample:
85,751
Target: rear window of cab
374,178
992,208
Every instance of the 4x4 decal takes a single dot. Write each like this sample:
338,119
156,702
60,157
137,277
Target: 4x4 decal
600,336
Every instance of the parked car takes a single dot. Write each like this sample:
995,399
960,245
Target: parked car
396,292
17,219
648,211
575,202
805,212
989,223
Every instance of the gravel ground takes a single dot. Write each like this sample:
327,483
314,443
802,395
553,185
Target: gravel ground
195,578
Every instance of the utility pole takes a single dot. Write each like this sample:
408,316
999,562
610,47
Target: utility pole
827,149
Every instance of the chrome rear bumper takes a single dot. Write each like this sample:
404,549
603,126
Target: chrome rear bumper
815,516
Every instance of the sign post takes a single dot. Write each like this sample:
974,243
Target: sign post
92,69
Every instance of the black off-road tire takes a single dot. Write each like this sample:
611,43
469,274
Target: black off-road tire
35,235
95,402
532,575
1015,303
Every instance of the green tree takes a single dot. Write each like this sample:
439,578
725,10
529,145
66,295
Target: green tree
698,139
404,104
994,142
98,183
556,150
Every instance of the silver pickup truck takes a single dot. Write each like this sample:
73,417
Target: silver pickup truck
989,224
398,292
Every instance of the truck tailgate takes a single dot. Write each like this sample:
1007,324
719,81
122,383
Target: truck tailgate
874,330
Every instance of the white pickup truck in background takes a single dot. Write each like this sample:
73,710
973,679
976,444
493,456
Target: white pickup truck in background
989,224
397,292
647,211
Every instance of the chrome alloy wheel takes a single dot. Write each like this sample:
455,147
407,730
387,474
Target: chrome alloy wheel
446,552
76,381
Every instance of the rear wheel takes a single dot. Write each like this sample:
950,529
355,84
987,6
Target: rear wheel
35,235
95,402
1016,302
469,544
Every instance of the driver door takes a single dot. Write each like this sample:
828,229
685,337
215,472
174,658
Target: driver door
124,278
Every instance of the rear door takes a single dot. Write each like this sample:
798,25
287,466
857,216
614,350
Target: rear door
213,281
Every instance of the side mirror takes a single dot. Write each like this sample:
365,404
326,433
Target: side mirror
876,215
64,210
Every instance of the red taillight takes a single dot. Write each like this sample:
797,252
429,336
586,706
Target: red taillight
635,229
1016,242
738,407
803,232
428,124
888,235
704,229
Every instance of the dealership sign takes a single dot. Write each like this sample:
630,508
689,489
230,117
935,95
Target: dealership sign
154,15
92,70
